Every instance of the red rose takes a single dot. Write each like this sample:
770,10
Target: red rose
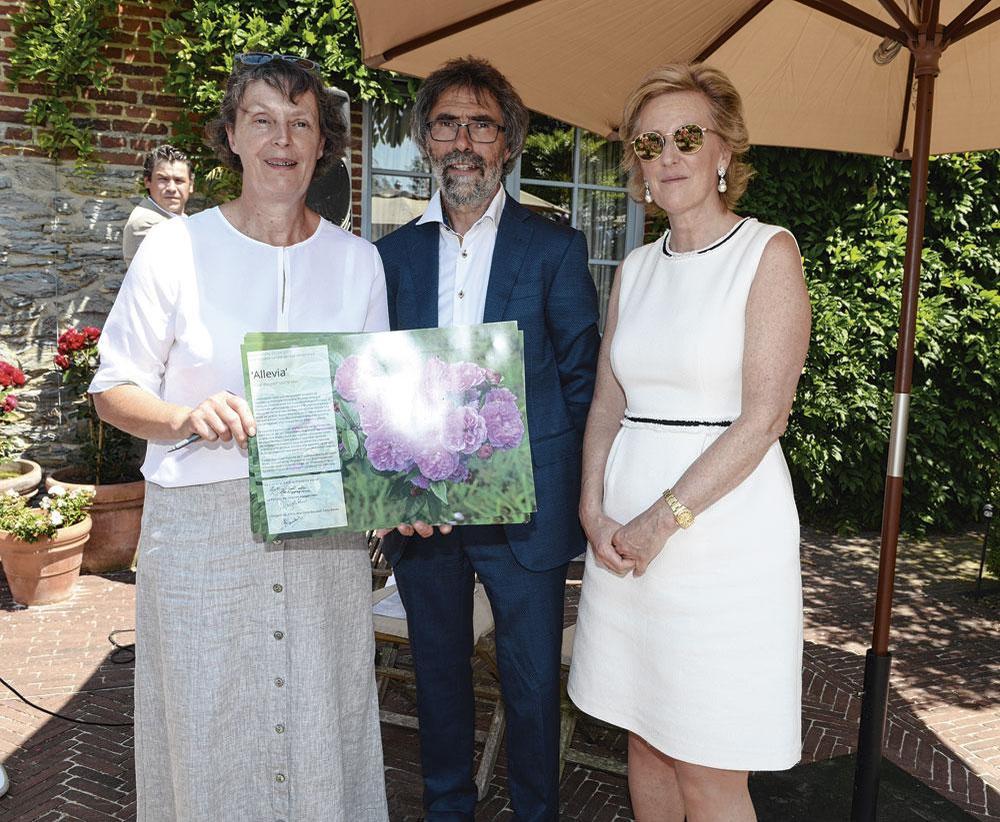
10,403
10,375
73,340
62,361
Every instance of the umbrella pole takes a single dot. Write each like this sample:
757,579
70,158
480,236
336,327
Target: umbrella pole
878,659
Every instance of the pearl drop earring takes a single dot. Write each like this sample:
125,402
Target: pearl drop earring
722,181
648,195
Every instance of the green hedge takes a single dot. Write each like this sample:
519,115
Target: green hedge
849,215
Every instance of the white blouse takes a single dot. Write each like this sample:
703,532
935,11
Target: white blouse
195,287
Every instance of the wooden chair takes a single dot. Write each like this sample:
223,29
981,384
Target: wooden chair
391,632
380,565
568,721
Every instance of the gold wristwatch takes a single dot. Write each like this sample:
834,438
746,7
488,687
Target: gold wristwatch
682,514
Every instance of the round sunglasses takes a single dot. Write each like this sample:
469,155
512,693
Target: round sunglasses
688,140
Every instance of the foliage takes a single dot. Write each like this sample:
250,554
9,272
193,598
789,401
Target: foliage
109,455
59,43
58,510
849,215
10,377
548,150
205,34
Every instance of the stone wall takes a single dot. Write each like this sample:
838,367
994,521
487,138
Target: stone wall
60,231
60,266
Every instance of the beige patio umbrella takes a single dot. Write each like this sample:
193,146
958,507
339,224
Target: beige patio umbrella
868,76
806,74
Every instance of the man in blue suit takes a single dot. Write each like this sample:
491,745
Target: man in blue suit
478,256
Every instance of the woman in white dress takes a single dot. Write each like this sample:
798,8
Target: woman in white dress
255,691
689,632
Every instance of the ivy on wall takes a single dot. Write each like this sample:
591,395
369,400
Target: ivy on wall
58,44
204,35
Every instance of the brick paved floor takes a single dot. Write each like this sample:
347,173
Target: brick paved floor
944,711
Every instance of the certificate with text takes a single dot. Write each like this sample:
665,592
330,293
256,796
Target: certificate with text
364,431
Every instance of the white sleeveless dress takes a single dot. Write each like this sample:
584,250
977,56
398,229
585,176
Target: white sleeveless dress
702,655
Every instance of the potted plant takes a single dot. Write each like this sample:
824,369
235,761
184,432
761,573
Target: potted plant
109,461
41,548
19,474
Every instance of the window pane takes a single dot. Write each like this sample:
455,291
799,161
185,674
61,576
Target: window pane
548,150
552,202
396,200
602,218
392,147
603,275
599,161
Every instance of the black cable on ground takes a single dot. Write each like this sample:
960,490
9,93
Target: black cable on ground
126,651
122,654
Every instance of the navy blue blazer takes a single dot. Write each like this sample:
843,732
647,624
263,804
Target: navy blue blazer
539,277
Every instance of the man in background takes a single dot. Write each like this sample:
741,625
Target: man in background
169,179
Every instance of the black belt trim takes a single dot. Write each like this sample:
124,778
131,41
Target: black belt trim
687,423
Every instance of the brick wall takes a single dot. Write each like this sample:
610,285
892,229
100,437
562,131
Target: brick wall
60,232
128,119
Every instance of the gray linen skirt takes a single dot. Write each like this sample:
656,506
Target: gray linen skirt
254,689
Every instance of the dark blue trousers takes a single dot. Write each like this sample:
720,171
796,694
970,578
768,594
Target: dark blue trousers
435,578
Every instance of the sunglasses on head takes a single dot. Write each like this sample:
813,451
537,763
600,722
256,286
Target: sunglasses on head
688,140
257,58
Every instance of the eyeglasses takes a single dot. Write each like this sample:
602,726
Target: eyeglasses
479,131
258,58
688,139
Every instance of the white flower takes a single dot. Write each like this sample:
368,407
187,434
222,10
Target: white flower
458,516
45,503
57,491
12,493
55,518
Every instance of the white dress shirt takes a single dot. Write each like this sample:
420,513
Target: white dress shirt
195,288
464,262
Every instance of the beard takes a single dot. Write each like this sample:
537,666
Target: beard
464,191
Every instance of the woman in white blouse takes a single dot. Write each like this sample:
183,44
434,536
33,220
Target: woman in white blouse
255,695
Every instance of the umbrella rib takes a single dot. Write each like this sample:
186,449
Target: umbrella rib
856,17
724,38
455,28
971,28
901,18
904,120
963,17
931,13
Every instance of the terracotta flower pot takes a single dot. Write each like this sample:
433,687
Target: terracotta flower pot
26,479
42,572
117,515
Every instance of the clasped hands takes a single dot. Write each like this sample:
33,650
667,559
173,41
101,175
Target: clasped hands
632,546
